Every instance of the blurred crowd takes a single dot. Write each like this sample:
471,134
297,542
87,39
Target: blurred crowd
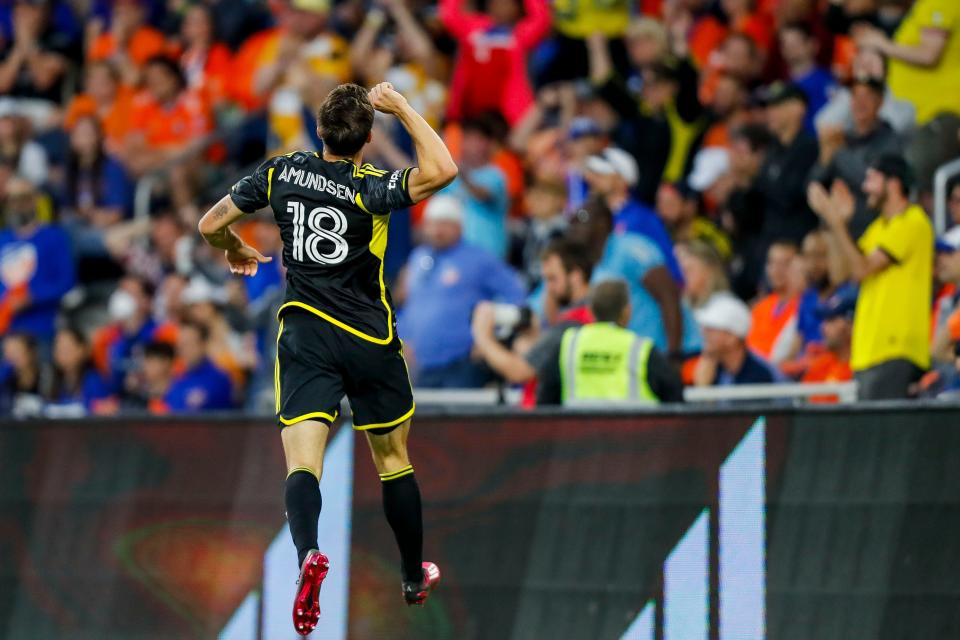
757,173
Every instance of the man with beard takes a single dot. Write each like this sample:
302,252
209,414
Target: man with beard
567,268
893,262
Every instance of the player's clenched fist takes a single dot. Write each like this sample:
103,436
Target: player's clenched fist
386,99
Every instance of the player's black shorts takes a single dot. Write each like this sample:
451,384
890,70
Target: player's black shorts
318,363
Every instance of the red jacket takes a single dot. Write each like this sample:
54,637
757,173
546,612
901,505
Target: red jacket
491,68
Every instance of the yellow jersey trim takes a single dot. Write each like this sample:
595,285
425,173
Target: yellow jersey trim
359,202
276,369
309,416
345,326
399,473
270,182
392,423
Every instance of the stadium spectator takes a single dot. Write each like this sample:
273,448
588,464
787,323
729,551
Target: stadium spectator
946,318
727,110
201,386
773,326
953,210
678,207
846,156
783,177
129,42
76,388
490,72
36,266
870,65
230,350
574,21
893,262
604,363
25,156
726,360
108,100
301,44
659,129
148,387
799,48
35,61
830,361
704,273
585,138
117,346
611,176
22,376
815,251
654,293
98,192
566,276
543,204
445,279
205,61
482,188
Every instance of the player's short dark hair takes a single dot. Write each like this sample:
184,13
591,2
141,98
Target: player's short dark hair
573,255
159,349
345,120
608,300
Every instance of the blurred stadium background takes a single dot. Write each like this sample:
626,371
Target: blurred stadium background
770,455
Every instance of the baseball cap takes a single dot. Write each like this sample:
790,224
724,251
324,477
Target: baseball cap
201,290
582,127
843,302
949,242
780,92
709,165
615,161
443,208
725,312
893,165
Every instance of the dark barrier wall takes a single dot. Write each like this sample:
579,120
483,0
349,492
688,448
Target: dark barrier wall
544,526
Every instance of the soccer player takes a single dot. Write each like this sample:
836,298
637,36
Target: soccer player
338,331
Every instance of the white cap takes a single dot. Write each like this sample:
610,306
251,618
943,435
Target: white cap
708,165
613,160
201,290
443,208
724,312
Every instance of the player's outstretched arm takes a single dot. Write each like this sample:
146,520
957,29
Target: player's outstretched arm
215,228
435,166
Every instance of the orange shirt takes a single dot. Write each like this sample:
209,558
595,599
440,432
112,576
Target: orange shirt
773,326
171,125
115,120
144,44
825,366
210,75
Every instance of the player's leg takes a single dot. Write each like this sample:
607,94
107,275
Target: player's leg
303,447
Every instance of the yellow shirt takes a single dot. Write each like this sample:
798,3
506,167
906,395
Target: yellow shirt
936,89
579,18
893,311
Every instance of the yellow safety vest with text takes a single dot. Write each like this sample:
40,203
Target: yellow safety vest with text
604,362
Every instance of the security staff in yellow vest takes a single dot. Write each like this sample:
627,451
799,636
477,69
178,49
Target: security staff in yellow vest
605,362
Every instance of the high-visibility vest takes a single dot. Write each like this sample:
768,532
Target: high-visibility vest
604,362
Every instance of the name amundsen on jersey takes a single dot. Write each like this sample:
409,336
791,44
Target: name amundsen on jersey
317,182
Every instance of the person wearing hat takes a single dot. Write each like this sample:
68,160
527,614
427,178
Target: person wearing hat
893,262
612,174
783,176
830,360
946,307
445,279
726,360
846,155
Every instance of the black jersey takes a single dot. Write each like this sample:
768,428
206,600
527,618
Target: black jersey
333,219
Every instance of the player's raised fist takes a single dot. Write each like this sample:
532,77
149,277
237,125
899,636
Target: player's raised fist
386,99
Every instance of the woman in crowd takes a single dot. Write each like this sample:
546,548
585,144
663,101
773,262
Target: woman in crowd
75,386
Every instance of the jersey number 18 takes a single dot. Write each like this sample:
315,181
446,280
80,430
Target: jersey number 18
310,243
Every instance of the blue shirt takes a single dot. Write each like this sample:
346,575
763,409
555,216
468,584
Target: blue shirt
817,85
202,388
753,371
636,217
443,287
124,352
44,261
484,221
808,322
629,257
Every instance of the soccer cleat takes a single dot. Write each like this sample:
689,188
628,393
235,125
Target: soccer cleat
417,592
306,607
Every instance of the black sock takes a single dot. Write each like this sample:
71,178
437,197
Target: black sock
401,504
302,496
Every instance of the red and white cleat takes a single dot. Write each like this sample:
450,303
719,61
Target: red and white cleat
306,607
417,592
